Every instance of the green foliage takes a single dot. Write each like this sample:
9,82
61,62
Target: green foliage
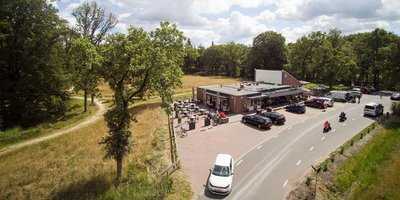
135,65
267,52
92,22
364,171
84,60
32,63
396,108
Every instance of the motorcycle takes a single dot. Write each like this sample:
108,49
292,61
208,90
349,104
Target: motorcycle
342,117
327,128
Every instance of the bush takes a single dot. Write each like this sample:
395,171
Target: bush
396,108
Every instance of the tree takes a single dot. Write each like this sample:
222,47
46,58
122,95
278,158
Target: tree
135,65
267,52
92,23
191,59
84,59
32,62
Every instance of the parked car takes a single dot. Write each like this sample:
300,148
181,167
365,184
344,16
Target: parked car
296,108
367,90
340,96
276,118
373,109
257,120
355,93
395,96
316,103
220,181
328,101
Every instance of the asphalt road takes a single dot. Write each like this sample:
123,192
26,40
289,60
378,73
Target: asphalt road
271,169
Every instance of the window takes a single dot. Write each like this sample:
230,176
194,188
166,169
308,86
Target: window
220,170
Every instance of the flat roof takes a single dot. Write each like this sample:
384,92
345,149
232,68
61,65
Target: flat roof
248,88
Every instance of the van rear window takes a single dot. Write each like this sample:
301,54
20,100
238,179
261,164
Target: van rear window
369,107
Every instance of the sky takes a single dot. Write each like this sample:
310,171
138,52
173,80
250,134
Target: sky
221,21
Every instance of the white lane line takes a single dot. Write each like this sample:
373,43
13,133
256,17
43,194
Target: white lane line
239,162
343,124
285,183
260,146
353,119
323,138
333,130
298,163
311,148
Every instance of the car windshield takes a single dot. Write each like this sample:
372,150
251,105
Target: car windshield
220,170
370,107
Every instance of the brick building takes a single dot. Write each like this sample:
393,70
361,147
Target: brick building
249,96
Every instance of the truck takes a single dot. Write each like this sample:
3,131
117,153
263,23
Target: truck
340,96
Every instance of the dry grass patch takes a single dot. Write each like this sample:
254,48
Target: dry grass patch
72,166
189,81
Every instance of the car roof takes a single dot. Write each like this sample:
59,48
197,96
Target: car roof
372,104
324,98
223,160
272,113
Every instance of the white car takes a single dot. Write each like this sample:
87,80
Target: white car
373,109
220,181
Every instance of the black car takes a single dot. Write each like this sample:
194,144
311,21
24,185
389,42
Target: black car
257,120
276,118
316,103
296,108
395,96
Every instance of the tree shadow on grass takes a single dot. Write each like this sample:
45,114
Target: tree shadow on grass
85,189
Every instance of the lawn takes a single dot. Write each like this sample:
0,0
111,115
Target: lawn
374,172
73,116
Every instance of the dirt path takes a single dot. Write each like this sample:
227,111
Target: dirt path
87,121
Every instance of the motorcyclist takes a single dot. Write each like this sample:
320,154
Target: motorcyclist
342,115
327,125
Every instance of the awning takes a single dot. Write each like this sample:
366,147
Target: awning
217,95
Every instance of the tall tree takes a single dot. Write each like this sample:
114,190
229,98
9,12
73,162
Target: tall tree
83,64
137,64
32,75
93,23
267,52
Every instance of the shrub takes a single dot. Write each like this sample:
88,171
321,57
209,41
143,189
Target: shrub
341,150
396,108
351,142
308,181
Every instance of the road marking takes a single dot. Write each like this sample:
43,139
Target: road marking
343,124
259,147
334,130
353,119
298,163
323,138
290,127
285,183
239,162
311,148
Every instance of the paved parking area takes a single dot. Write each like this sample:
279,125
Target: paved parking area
199,148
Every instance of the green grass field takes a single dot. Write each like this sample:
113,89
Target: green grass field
73,115
374,172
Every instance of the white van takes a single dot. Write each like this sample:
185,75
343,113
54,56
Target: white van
341,96
373,109
220,180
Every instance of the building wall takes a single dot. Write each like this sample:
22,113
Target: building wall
288,79
268,76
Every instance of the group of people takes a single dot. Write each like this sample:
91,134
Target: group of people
327,125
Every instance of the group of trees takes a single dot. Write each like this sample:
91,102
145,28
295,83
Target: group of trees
366,59
42,59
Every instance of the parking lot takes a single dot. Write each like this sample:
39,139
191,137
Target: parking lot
198,149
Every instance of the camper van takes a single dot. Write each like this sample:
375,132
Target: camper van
373,109
341,96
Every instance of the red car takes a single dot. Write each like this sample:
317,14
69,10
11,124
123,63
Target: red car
316,103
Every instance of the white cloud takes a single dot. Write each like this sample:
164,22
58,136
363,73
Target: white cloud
241,20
